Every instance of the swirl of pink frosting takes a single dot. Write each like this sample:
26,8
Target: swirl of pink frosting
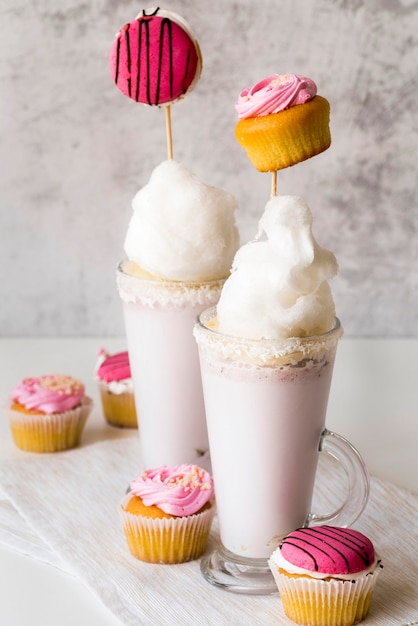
180,490
49,394
329,550
113,367
273,94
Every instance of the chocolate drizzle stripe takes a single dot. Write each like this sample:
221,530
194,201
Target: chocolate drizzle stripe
145,14
117,60
330,545
348,542
319,533
143,59
128,55
311,556
143,33
138,62
345,532
347,536
318,549
165,25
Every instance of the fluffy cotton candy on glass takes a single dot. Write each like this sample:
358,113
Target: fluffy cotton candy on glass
287,272
182,228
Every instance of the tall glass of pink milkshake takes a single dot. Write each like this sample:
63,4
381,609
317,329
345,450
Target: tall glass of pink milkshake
180,244
267,353
159,317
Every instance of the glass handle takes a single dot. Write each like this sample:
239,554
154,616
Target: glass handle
358,481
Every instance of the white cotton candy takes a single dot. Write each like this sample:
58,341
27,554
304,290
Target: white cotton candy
181,228
278,287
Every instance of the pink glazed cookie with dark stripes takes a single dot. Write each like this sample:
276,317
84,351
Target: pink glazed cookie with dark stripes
328,550
325,575
155,59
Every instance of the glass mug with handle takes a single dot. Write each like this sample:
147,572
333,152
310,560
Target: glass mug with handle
265,406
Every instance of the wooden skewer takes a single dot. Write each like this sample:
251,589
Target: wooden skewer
273,183
168,129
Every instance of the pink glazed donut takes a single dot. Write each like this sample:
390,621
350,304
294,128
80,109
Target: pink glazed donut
155,59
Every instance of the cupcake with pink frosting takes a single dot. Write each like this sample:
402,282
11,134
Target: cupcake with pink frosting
167,515
282,121
48,413
113,374
326,575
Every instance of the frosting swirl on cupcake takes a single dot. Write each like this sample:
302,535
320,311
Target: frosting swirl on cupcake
49,394
273,94
180,490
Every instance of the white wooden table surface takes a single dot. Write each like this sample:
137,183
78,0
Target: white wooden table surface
374,403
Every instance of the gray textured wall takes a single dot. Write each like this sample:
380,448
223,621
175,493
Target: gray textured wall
74,150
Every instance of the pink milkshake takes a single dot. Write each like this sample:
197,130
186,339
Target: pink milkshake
267,354
274,413
159,318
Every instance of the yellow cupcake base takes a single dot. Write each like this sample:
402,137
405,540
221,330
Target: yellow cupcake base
279,140
166,540
118,409
38,432
332,602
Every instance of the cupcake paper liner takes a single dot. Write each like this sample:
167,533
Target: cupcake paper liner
118,409
326,602
166,540
49,433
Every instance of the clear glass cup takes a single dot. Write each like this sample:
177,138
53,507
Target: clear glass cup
265,405
159,317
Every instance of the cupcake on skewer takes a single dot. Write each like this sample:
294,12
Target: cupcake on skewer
282,121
